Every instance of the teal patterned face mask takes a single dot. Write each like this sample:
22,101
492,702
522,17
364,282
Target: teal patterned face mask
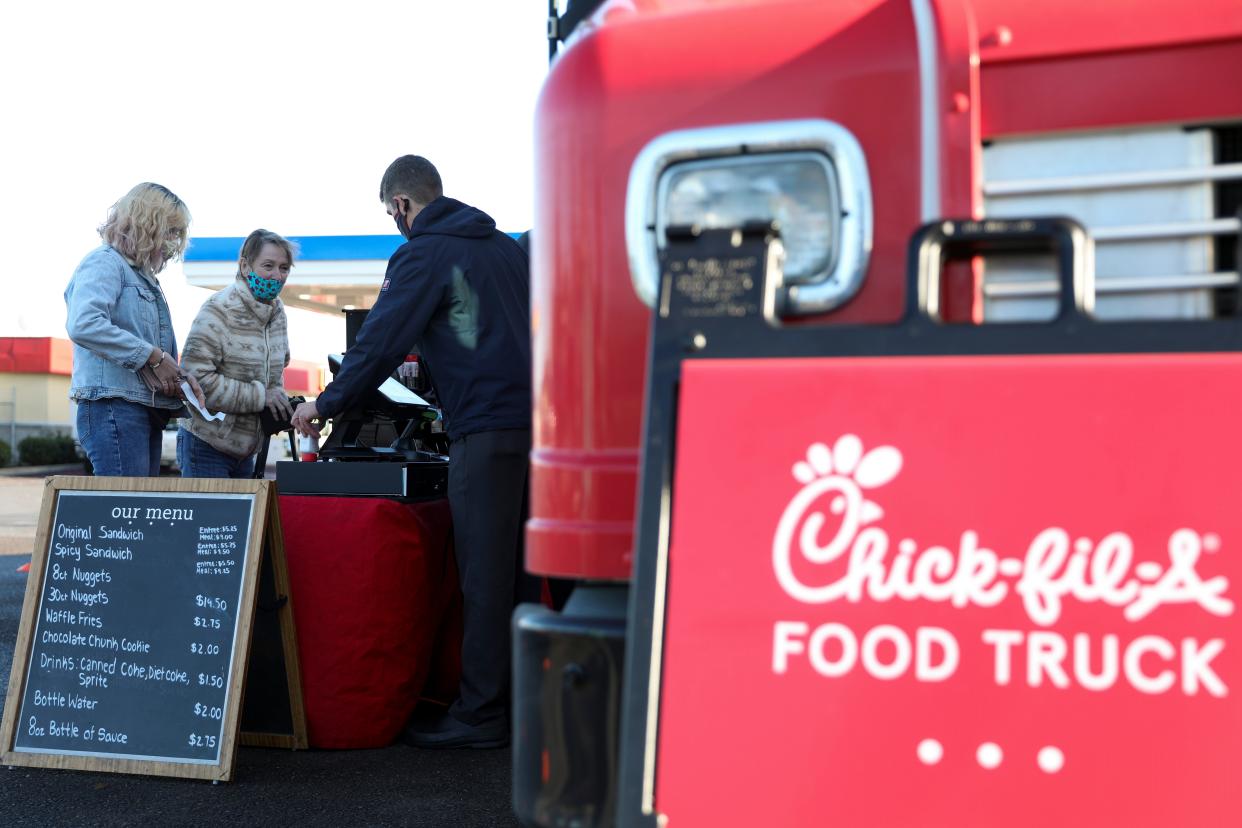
264,289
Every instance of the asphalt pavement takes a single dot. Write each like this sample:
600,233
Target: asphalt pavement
398,785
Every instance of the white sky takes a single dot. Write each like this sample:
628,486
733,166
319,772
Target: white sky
268,113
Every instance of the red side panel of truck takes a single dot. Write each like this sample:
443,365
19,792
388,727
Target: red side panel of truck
605,98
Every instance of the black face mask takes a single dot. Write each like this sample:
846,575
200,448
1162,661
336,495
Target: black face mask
402,227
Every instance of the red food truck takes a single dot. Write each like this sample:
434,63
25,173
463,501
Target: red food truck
885,353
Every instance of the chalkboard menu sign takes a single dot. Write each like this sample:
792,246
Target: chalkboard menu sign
137,624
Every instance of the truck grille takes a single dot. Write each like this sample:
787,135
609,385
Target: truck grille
1228,203
1161,204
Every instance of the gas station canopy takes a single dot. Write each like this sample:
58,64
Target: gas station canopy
330,273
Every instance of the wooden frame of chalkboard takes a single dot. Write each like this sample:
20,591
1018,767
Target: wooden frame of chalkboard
273,714
132,650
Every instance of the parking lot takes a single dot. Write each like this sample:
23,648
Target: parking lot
396,785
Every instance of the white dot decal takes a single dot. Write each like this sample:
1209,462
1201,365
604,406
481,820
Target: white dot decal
930,751
989,755
1051,759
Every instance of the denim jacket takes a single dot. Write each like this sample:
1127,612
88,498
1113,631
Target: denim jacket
117,316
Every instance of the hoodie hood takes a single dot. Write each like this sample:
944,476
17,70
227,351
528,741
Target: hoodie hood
459,292
449,217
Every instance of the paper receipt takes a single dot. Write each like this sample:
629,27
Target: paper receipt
193,401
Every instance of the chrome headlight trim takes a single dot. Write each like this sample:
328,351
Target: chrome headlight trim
832,140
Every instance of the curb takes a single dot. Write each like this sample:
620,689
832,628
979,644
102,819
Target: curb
42,471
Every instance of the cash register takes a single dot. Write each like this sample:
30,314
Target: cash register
389,444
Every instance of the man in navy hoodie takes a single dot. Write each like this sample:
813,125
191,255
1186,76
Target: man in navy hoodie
459,289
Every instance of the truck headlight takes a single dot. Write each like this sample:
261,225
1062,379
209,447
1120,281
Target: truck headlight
809,177
798,191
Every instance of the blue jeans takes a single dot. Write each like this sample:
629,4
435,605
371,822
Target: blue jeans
120,438
197,458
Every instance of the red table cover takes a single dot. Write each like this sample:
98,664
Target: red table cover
377,607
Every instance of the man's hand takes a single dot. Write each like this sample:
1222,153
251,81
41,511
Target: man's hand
304,420
277,403
196,388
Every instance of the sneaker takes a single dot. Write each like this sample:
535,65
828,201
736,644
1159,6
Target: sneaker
444,731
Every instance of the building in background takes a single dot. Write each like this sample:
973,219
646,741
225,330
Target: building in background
34,386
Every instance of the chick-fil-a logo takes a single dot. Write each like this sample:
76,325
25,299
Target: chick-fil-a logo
1053,569
853,564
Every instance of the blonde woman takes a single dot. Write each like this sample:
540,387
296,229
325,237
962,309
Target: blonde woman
238,348
126,378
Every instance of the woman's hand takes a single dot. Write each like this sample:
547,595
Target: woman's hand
196,388
167,372
277,403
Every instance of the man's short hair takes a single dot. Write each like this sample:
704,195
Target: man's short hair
413,175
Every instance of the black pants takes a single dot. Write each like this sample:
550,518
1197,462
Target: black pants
488,473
